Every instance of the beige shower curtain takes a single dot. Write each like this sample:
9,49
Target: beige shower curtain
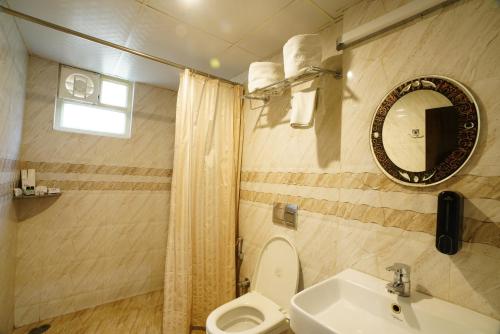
200,260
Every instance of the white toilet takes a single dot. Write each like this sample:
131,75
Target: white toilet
264,310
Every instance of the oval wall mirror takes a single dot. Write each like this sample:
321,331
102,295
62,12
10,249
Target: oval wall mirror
425,130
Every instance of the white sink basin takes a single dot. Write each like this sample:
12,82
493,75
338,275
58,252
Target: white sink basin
356,303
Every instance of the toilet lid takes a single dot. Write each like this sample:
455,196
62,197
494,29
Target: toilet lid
277,273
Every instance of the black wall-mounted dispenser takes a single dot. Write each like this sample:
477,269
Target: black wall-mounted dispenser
449,222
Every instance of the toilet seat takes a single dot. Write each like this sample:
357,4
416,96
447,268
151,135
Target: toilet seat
264,310
267,317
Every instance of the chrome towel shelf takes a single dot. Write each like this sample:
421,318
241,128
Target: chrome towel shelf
277,88
22,197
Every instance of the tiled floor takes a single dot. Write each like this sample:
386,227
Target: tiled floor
136,315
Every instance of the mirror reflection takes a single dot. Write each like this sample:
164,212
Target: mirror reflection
420,130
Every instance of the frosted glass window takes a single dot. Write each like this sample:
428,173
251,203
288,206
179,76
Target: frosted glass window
114,93
94,119
109,115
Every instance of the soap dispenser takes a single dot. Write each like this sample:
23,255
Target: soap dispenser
449,222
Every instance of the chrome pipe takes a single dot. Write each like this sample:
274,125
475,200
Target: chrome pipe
65,30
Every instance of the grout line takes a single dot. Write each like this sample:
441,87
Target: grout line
30,52
231,44
261,25
312,2
128,40
158,10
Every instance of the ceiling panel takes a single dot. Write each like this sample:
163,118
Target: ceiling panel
299,18
111,20
163,36
142,70
335,7
241,78
189,32
68,49
234,61
227,19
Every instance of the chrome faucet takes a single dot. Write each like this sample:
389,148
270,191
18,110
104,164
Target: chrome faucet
401,282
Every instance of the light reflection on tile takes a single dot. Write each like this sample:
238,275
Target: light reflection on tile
329,169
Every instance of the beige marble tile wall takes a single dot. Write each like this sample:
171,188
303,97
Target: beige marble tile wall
351,215
104,238
13,68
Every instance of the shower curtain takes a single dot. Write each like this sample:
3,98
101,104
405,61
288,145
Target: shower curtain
200,259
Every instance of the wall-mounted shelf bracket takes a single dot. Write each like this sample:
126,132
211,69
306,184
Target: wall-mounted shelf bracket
23,197
277,88
258,98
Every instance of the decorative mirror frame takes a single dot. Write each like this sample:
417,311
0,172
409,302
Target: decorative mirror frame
468,133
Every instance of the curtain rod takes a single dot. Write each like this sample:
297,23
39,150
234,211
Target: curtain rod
57,27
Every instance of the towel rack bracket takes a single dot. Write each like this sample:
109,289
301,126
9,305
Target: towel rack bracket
277,88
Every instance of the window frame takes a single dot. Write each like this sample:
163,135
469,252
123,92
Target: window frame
128,111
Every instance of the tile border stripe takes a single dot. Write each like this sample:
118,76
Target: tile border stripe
486,187
9,165
66,185
475,231
54,167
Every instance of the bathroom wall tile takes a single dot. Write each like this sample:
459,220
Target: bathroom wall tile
476,249
347,208
31,285
135,288
251,253
317,238
431,273
55,307
144,147
27,314
29,240
157,282
104,239
474,281
57,282
13,69
351,252
83,301
56,246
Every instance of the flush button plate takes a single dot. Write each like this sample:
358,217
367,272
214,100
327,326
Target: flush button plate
285,214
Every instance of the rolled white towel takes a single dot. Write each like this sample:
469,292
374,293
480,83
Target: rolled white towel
300,52
303,106
262,74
